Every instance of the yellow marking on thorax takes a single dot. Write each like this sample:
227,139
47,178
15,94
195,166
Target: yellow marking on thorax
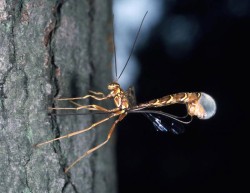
120,99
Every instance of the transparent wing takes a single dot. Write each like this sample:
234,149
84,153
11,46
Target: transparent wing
165,124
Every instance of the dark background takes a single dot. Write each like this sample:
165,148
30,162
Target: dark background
211,155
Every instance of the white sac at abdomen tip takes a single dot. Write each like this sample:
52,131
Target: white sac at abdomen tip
208,104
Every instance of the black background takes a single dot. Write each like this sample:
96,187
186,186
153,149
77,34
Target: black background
211,155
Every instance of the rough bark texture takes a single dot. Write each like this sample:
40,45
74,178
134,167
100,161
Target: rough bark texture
53,48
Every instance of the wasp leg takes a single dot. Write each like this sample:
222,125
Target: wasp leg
97,93
89,107
78,132
98,146
86,96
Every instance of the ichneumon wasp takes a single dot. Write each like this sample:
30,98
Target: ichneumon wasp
198,104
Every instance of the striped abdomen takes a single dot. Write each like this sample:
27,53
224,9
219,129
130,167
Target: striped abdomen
198,104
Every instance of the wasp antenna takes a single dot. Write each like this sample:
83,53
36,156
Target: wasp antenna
133,45
114,46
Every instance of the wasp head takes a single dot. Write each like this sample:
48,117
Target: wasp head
113,86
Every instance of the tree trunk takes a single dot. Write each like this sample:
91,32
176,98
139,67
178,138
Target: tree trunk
53,48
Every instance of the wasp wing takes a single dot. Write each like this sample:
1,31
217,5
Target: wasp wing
165,124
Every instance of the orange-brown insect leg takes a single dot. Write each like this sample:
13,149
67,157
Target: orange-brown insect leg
77,132
84,97
98,146
89,107
97,93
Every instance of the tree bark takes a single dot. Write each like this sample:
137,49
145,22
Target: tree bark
53,48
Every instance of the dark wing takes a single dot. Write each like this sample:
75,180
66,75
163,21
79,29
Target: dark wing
130,94
165,124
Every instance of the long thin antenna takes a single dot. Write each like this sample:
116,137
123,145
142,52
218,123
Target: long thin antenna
114,46
133,45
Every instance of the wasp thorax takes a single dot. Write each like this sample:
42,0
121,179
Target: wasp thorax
113,86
